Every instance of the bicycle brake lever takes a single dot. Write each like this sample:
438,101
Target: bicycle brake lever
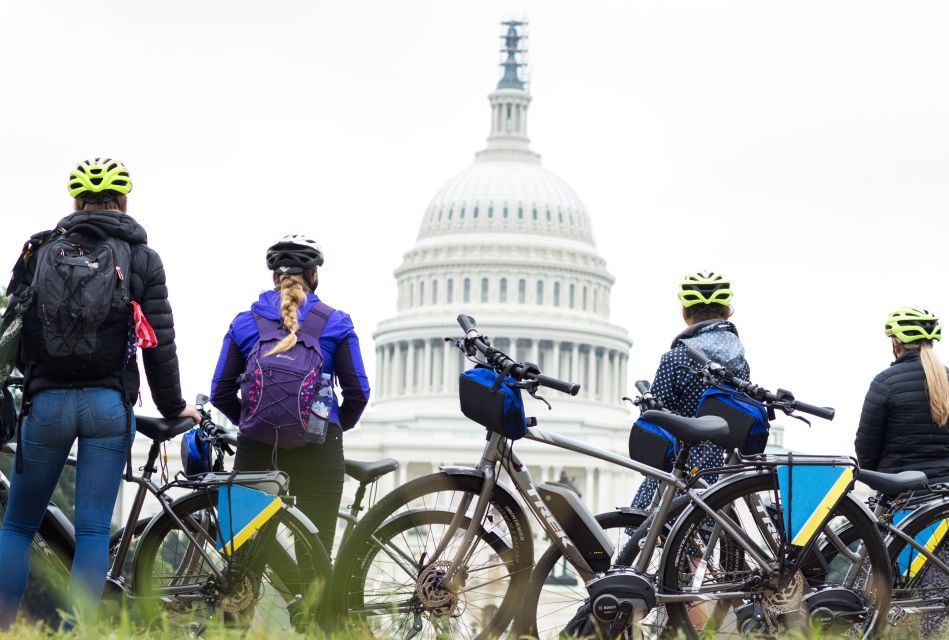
532,392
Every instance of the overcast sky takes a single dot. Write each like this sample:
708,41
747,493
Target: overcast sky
799,147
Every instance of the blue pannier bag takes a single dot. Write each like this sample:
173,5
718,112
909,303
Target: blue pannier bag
494,403
652,445
747,419
195,453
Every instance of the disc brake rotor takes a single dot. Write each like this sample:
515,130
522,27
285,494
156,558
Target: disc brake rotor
431,594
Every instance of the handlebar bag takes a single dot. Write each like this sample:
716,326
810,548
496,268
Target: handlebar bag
652,445
494,404
747,419
195,453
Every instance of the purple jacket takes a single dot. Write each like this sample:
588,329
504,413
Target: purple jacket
341,357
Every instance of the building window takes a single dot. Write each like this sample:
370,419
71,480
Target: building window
571,219
520,213
504,212
503,294
421,294
411,294
560,216
439,215
570,297
490,211
450,211
466,295
521,291
556,294
484,289
450,291
461,214
540,292
549,217
474,214
434,291
535,213
583,298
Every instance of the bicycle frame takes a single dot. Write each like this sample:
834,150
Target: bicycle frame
498,452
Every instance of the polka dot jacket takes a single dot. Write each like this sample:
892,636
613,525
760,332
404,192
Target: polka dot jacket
680,390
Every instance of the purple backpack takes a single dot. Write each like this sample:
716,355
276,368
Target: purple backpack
278,391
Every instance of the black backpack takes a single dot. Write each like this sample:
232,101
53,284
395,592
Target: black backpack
80,309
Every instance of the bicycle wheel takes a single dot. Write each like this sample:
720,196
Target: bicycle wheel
920,586
385,581
273,581
732,596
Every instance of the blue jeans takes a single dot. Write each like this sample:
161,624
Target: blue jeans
98,417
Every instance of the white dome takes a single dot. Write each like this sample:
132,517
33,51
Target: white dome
507,196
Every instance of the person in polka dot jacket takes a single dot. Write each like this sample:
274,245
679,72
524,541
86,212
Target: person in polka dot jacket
706,309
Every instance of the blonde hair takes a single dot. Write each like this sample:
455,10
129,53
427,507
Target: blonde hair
292,295
936,383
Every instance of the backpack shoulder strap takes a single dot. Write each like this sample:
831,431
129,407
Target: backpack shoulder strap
315,320
267,328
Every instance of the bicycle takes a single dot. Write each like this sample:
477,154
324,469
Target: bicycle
469,574
184,535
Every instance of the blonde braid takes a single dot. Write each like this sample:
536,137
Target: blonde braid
936,383
292,295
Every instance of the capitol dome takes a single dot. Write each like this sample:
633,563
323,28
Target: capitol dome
510,243
507,196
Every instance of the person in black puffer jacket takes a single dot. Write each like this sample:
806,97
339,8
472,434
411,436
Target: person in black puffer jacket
78,365
903,424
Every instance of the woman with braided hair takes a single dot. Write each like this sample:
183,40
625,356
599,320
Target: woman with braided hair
289,322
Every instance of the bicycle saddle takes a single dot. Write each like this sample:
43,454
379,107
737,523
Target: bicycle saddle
689,430
893,483
160,429
366,472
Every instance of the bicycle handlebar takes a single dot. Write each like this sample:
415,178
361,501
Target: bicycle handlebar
782,399
500,361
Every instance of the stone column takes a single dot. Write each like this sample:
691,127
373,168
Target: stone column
555,358
426,383
394,373
623,366
575,363
535,351
410,369
382,369
604,387
591,372
446,367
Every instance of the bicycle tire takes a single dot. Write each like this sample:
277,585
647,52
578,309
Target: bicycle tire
284,561
917,581
692,531
437,492
563,600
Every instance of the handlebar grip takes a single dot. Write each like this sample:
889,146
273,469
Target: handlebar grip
642,386
570,388
697,355
827,413
467,322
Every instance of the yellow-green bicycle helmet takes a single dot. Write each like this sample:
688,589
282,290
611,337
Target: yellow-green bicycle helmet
705,287
910,324
98,175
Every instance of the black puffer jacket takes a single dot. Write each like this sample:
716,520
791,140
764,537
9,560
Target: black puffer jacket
897,432
147,287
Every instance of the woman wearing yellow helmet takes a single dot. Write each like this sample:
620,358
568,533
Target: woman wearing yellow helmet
706,308
903,424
